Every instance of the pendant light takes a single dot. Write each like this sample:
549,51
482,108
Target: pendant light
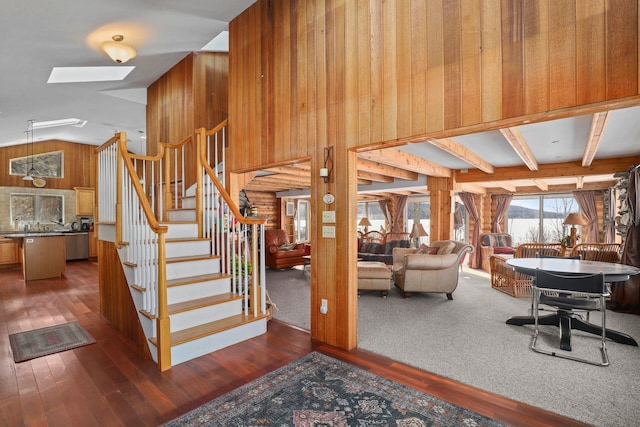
32,172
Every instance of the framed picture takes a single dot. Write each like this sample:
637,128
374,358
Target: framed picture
291,209
47,165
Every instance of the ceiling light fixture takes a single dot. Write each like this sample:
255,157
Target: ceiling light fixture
117,50
31,172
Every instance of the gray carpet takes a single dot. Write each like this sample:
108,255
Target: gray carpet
467,340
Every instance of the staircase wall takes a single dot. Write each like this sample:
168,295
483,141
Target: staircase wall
116,304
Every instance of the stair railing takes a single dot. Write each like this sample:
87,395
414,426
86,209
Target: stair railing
237,239
163,176
138,233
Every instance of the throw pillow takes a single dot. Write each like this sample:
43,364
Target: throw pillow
506,250
287,246
429,250
446,248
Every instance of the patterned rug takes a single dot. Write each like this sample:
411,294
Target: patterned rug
44,341
320,391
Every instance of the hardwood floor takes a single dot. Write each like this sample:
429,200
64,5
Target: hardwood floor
111,383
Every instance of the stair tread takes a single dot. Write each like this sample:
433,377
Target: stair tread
191,258
211,328
202,302
186,239
195,279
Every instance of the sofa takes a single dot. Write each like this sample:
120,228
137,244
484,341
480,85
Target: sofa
279,252
494,244
381,248
429,269
505,279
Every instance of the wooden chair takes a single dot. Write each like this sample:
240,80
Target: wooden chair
372,237
507,280
605,252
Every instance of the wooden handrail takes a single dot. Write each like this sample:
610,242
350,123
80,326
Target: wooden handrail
153,222
107,143
227,198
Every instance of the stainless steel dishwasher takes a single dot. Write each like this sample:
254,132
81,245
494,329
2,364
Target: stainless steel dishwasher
77,245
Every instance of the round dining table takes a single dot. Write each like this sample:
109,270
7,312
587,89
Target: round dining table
612,273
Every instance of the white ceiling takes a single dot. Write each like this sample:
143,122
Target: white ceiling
38,36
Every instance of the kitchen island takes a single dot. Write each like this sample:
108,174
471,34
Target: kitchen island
43,254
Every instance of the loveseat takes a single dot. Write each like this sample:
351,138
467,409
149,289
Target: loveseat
505,279
381,248
429,269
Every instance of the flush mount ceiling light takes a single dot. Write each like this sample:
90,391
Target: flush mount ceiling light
117,50
31,172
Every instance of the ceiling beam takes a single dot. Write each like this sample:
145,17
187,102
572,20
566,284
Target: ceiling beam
598,124
519,144
551,170
375,176
470,188
381,169
579,182
403,160
540,184
458,150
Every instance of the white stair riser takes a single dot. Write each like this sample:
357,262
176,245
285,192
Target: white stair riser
178,270
209,344
188,248
189,203
191,318
197,290
182,231
182,215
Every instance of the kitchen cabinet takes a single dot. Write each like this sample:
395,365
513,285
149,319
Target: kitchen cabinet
85,200
43,254
9,252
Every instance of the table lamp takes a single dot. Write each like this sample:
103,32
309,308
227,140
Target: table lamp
364,222
574,219
416,232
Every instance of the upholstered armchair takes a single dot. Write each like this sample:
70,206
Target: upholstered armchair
505,279
281,253
430,272
494,244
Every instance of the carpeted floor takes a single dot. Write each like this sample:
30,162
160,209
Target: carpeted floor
44,341
318,390
467,340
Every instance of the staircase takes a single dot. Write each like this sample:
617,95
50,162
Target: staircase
191,294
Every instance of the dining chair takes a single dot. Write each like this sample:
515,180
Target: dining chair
566,294
543,255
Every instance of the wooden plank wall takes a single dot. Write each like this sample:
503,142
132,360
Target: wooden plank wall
305,75
79,164
116,304
401,69
267,205
193,94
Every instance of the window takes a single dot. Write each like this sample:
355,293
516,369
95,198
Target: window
372,211
301,222
37,208
539,218
418,210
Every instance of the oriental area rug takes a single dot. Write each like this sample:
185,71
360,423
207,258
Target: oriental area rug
44,341
318,390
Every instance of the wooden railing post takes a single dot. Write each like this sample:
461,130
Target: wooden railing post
163,325
200,146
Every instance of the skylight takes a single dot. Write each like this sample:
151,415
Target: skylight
88,74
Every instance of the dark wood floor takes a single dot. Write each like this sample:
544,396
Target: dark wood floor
110,383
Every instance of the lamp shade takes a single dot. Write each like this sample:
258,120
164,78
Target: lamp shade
118,51
364,222
575,219
418,231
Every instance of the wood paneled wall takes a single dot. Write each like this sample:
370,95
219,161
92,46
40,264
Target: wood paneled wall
116,304
268,205
79,164
405,68
308,74
193,94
